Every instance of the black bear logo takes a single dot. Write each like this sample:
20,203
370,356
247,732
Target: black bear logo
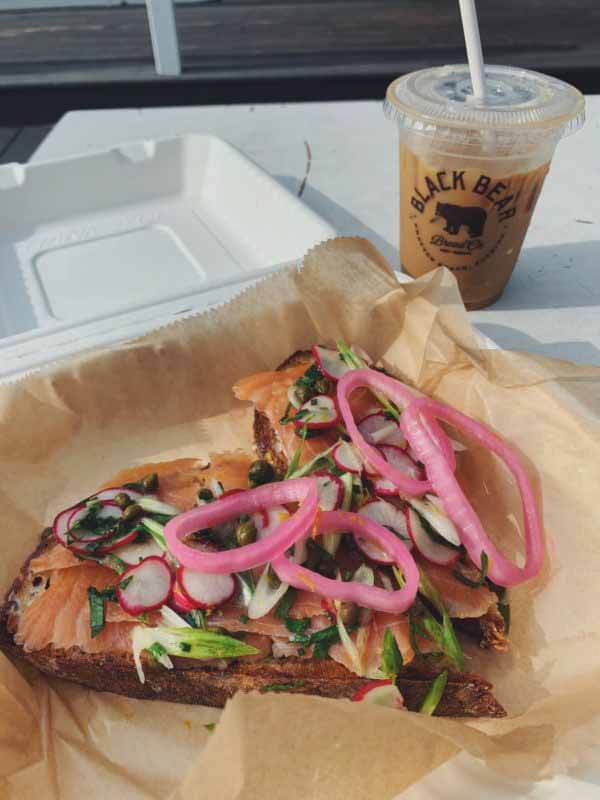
472,217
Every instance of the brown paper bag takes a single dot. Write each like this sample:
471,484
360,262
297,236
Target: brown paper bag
169,394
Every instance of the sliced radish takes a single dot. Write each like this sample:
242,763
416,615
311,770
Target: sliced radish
321,413
432,551
110,494
388,516
137,551
377,429
293,397
86,548
330,489
267,594
60,526
401,461
204,590
149,588
108,511
430,509
330,362
267,521
346,458
384,488
380,693
180,602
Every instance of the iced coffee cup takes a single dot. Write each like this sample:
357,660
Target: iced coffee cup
471,171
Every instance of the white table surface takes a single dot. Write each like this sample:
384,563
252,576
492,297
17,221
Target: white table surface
551,305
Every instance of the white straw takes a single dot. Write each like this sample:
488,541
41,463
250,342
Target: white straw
470,24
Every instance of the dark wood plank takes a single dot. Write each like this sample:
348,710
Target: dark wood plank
292,34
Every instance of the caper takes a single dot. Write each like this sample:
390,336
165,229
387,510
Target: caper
205,495
245,532
322,386
304,393
122,500
348,613
131,512
150,482
260,472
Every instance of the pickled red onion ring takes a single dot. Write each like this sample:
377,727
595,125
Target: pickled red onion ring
298,490
403,396
349,591
500,569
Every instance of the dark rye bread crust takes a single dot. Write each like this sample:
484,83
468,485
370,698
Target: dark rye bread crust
192,682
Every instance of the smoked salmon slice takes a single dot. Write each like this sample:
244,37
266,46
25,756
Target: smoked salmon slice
461,601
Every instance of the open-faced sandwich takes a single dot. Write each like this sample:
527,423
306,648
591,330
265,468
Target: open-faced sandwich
345,562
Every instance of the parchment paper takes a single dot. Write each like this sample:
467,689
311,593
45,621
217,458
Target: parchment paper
63,433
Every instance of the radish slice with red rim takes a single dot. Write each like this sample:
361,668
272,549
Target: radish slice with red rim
146,586
377,429
380,693
388,516
137,551
101,548
431,510
317,413
330,362
268,520
433,551
180,602
108,511
330,490
204,590
110,494
384,488
60,526
401,461
346,458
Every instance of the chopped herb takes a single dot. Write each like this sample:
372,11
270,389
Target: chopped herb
124,584
321,640
297,625
391,661
282,687
185,647
210,726
244,619
314,402
157,651
435,693
143,617
504,609
97,602
306,433
286,417
287,601
478,582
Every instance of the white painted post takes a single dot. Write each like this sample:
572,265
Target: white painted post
163,31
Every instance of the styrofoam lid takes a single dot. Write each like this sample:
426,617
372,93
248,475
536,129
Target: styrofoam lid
519,101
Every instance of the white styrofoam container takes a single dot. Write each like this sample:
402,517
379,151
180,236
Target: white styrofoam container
99,248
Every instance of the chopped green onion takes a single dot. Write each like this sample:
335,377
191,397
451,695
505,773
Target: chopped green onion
312,466
125,583
297,625
244,619
156,531
504,610
391,661
435,693
351,359
295,462
474,584
447,636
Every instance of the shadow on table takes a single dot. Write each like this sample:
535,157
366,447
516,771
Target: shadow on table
336,215
559,276
512,339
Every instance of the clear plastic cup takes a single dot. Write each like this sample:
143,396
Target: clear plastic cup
471,172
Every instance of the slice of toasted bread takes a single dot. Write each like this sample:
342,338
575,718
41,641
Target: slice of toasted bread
193,682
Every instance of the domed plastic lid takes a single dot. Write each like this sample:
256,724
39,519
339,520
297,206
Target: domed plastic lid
519,100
